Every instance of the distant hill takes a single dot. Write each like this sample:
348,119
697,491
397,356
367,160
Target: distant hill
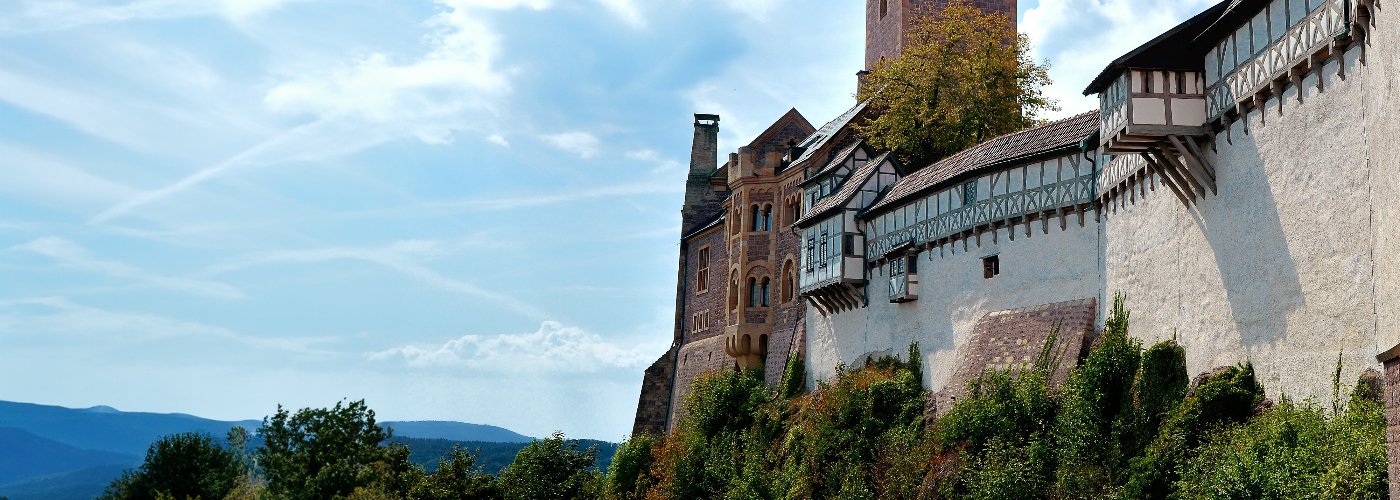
24,455
54,452
456,431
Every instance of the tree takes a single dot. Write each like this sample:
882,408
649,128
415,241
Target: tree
458,476
964,76
329,452
186,465
552,468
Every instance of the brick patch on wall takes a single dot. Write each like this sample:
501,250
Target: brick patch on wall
1012,339
1392,422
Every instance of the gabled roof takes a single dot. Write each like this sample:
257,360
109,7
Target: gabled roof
848,190
836,161
1178,48
1052,137
791,116
823,135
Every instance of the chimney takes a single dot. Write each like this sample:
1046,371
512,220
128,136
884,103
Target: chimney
701,200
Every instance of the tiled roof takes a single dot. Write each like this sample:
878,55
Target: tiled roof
824,134
714,221
848,190
1025,143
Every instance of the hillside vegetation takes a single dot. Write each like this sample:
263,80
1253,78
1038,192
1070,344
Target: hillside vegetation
1128,424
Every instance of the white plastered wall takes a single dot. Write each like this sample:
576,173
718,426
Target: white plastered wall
1277,268
953,296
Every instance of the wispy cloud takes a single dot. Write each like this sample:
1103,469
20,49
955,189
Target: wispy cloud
627,10
583,144
29,16
70,255
558,198
404,257
554,348
59,316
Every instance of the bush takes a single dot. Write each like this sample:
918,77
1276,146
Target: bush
552,468
628,477
1293,451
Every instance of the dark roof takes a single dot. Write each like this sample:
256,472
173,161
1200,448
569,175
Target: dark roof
714,221
819,138
1016,146
1179,48
848,190
835,162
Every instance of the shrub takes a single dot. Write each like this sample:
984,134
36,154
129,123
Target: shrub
628,475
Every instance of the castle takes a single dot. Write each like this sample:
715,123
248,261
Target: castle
1235,184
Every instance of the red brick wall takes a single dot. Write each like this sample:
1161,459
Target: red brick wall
1392,422
713,300
1012,340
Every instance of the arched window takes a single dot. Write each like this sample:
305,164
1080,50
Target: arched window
734,291
753,292
785,286
767,217
764,295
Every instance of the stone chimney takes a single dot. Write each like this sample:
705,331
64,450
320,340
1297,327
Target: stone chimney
701,200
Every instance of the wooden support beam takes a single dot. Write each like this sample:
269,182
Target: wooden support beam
1169,181
1193,164
1182,173
1175,176
1201,157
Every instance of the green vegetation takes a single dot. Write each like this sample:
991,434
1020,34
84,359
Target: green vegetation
1127,423
964,76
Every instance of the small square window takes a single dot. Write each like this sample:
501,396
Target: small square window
991,266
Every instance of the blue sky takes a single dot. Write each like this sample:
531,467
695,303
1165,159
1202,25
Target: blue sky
454,209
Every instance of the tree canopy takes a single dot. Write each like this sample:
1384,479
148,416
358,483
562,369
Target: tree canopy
964,76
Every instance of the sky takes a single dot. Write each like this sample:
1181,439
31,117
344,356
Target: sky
454,209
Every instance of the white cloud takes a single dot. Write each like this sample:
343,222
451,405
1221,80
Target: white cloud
71,255
1080,38
627,10
29,16
583,144
554,348
661,164
498,140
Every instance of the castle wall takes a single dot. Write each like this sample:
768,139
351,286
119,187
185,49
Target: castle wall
654,403
1275,269
705,307
693,360
1379,117
1041,269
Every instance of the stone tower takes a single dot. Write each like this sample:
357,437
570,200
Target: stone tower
887,23
702,197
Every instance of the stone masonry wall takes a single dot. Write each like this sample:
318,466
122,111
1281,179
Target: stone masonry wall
653,406
1012,340
695,359
885,35
1392,422
712,300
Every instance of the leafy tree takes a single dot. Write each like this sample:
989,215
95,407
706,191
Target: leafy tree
552,468
963,77
628,475
320,453
186,465
458,476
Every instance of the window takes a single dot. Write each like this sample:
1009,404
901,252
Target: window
884,8
821,250
757,224
702,277
753,292
734,291
991,266
811,253
767,218
787,284
970,192
764,294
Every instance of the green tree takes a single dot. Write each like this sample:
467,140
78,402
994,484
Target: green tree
320,453
458,477
552,468
186,465
963,77
628,475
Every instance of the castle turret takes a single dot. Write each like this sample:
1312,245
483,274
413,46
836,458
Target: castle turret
887,23
702,200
